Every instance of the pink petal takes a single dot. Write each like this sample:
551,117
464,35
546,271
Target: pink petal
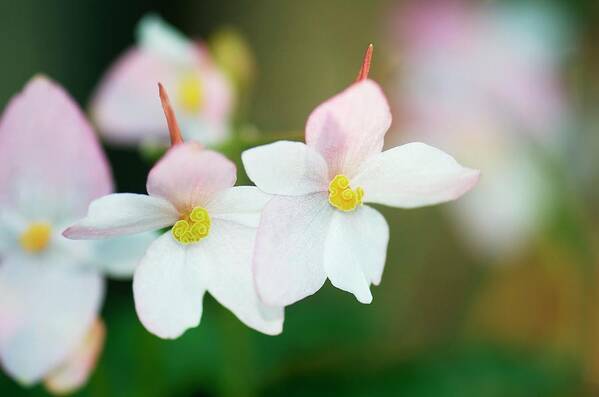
126,107
75,371
350,128
189,176
48,150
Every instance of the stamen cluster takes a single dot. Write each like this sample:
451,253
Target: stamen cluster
341,195
193,227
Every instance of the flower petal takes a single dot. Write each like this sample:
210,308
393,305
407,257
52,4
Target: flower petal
168,288
46,310
126,107
48,149
355,251
118,257
189,176
288,257
157,36
414,175
240,204
11,227
121,214
73,373
286,168
227,265
349,128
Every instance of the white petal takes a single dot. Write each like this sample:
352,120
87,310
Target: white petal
167,288
286,168
288,257
414,175
11,226
6,241
74,372
241,204
122,214
355,251
118,257
160,38
226,260
46,309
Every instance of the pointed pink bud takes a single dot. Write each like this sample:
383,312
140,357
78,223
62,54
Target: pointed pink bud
363,73
171,120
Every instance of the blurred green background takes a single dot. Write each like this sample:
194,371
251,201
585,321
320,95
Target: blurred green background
443,323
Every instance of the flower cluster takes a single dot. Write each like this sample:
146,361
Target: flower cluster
255,249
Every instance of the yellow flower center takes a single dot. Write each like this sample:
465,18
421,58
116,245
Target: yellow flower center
193,227
36,237
342,196
191,95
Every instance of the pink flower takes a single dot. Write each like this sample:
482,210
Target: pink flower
484,82
208,249
125,107
51,288
317,226
462,61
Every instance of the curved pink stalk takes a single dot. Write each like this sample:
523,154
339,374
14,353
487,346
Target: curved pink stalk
171,120
363,73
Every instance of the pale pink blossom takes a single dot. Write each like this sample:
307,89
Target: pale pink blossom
484,82
318,225
126,109
51,288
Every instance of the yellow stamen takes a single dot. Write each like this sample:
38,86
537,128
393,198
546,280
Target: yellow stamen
341,195
193,227
36,237
191,95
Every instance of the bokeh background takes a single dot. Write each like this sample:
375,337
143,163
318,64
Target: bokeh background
452,316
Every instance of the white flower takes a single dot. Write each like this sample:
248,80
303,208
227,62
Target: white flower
317,225
51,288
126,109
209,247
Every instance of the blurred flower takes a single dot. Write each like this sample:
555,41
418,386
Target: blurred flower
51,288
209,247
316,226
125,107
483,82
